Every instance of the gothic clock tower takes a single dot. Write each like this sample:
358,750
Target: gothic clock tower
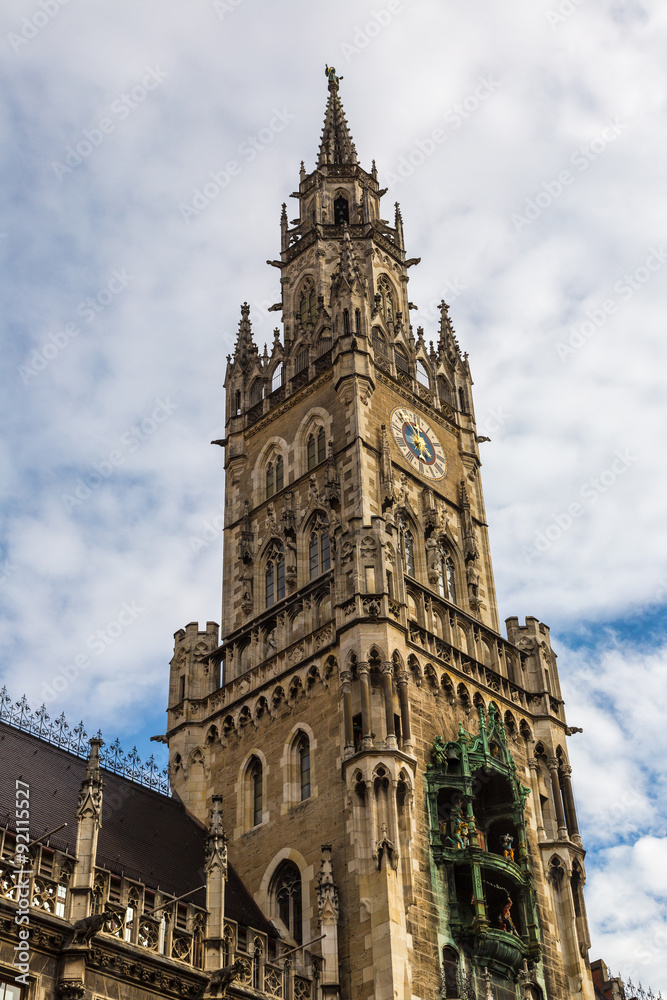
394,771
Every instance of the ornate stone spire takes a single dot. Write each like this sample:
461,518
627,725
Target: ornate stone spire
89,805
336,145
448,345
245,348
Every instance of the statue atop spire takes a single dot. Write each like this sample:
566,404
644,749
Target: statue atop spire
336,146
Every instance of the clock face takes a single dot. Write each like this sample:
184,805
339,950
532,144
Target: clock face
418,443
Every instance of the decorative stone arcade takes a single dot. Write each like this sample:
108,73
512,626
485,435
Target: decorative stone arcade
478,837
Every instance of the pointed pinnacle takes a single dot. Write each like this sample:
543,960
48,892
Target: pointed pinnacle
336,145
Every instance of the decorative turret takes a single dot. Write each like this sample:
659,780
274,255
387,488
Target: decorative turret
216,880
89,823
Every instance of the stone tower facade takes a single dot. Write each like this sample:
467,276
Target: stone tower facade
394,772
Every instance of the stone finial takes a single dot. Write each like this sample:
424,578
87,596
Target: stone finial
216,840
89,805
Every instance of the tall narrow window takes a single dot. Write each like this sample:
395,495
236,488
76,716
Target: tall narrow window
321,446
422,374
237,402
325,547
311,453
462,400
386,298
451,585
401,360
303,754
256,791
346,323
308,305
287,896
341,211
257,392
319,548
301,361
409,550
270,481
357,321
279,473
277,379
446,581
450,973
274,579
280,578
314,556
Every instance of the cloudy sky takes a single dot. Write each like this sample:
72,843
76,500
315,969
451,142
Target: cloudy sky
526,144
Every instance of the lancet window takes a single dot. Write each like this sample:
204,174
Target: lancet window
274,476
287,898
308,305
386,298
275,575
316,448
319,548
446,576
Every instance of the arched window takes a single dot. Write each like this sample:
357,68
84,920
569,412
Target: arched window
227,946
274,477
275,576
341,210
409,553
401,360
445,391
346,322
450,972
287,898
422,374
237,402
386,298
316,449
257,391
446,578
379,343
319,548
303,763
255,794
463,402
308,305
257,964
277,379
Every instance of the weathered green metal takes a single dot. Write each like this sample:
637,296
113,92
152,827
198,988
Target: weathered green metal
464,768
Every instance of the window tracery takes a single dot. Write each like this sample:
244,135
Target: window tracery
308,304
287,895
386,294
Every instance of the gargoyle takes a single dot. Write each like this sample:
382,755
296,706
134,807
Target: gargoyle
221,979
86,928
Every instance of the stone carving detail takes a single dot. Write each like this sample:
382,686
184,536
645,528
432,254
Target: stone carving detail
216,841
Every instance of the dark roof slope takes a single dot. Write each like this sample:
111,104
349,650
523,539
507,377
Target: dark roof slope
145,836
